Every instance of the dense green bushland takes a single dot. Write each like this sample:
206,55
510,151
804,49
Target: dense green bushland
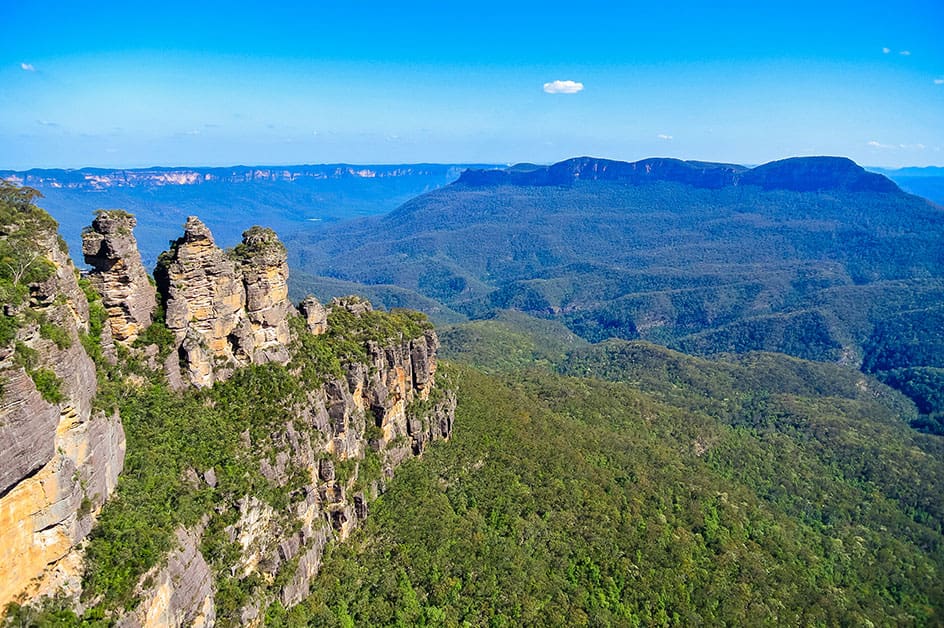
574,501
640,486
24,263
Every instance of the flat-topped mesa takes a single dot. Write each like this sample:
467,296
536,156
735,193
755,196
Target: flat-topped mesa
225,309
118,275
797,174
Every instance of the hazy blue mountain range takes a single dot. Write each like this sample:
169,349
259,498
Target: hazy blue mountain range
927,182
813,257
288,197
229,199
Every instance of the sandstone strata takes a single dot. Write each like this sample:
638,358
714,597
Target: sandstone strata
58,461
225,310
117,274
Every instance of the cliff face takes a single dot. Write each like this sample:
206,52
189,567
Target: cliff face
101,179
59,458
225,310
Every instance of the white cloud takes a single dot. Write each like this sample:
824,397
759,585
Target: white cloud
563,87
905,53
885,51
663,136
27,67
939,81
877,144
46,123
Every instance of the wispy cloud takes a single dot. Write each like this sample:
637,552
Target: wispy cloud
905,53
27,67
47,123
663,136
877,144
886,51
563,87
939,81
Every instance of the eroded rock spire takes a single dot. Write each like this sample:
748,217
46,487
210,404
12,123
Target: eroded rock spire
118,275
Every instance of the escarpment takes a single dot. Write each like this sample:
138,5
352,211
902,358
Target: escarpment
333,451
59,457
259,433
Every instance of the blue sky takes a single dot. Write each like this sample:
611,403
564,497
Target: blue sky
211,83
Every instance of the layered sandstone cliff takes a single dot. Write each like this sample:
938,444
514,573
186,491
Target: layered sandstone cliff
59,458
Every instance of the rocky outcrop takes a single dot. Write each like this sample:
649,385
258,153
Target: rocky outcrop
316,316
59,459
117,274
265,278
386,408
225,309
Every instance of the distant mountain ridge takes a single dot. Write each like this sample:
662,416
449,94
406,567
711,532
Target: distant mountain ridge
797,174
229,199
102,178
927,181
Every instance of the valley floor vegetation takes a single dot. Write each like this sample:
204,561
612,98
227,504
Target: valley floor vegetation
629,485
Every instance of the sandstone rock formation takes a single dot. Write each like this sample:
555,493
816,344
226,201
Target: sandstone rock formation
59,459
225,310
265,278
316,316
345,435
117,274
